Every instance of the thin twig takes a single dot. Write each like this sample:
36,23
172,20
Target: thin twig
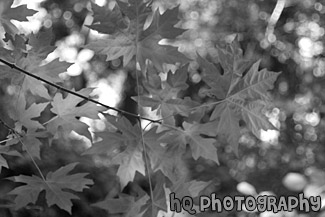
8,127
6,140
13,66
145,152
18,136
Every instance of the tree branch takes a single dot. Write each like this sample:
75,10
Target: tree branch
13,66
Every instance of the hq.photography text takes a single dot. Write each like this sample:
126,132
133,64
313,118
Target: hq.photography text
260,203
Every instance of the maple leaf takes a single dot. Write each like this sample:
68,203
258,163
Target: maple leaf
242,96
7,13
6,150
24,117
107,21
32,61
125,204
192,135
55,186
158,152
127,139
164,96
29,140
158,202
41,44
125,134
128,38
67,111
130,161
49,72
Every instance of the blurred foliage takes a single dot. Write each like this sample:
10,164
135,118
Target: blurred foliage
293,44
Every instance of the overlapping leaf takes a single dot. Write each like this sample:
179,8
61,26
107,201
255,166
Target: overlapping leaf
6,150
130,161
126,143
30,141
141,205
32,61
67,111
55,185
24,118
158,202
199,138
8,13
240,95
126,205
160,149
164,96
128,37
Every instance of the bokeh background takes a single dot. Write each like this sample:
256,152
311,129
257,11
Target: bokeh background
287,35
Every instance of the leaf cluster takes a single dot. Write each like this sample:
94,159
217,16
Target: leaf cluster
132,31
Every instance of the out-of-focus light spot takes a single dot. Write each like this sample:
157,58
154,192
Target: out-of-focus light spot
75,39
196,78
85,55
48,23
298,136
269,136
303,99
69,23
78,7
194,15
74,70
57,12
67,15
271,38
12,89
250,162
289,26
319,70
264,44
306,45
116,63
313,137
86,142
100,2
69,54
246,188
298,127
109,90
263,15
315,17
294,181
312,118
318,6
280,45
312,190
300,150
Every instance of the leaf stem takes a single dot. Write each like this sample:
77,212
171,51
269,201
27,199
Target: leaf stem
6,140
146,160
18,135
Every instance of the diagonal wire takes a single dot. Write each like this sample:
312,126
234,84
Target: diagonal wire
13,66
